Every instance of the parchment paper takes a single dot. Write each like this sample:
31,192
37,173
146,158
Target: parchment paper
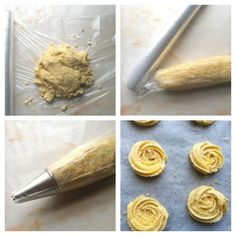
209,34
31,146
173,186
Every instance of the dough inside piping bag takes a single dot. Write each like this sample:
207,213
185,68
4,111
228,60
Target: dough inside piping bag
63,72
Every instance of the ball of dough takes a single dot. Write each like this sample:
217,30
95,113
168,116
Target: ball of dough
63,72
146,214
147,158
206,157
205,122
146,122
206,204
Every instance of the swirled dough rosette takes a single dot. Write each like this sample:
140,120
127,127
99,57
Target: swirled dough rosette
147,158
146,122
146,214
206,204
206,157
205,122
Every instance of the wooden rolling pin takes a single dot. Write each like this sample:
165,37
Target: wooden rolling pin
201,73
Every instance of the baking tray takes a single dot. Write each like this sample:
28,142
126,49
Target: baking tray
173,186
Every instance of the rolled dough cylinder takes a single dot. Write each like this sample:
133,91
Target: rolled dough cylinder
201,73
86,164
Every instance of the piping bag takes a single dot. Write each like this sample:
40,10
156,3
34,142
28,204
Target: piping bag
86,164
201,73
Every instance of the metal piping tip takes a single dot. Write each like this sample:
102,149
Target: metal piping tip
42,186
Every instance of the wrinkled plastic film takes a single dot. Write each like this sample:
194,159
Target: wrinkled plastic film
8,64
142,77
148,84
96,158
88,178
30,42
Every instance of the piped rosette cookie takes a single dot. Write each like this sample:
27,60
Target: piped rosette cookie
206,157
146,122
147,158
205,122
206,204
146,214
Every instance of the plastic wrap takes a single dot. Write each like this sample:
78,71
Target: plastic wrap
160,47
86,164
33,34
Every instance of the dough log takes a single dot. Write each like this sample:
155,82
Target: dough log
198,74
86,164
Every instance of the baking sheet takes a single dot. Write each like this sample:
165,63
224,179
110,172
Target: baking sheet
173,186
36,27
31,146
209,34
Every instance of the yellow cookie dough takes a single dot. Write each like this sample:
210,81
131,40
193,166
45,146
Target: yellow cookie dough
63,72
146,214
206,204
197,74
206,157
205,122
86,164
147,158
146,122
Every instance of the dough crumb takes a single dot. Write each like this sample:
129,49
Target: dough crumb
28,101
26,83
215,181
226,140
63,72
64,107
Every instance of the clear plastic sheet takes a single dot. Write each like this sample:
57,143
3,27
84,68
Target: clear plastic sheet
148,84
33,34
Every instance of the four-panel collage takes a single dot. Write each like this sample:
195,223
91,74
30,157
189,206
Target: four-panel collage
81,82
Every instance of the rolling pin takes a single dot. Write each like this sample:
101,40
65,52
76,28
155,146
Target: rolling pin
84,165
201,73
163,42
